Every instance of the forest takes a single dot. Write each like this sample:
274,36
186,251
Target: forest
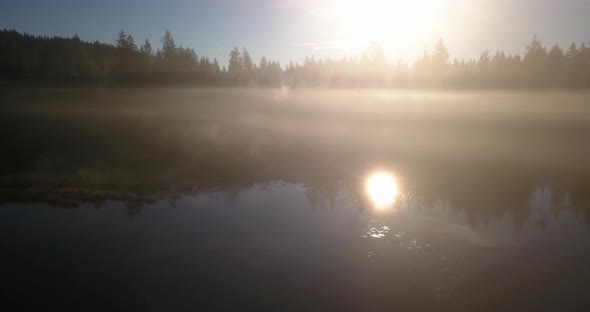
41,60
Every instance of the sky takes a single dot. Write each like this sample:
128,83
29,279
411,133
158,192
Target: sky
292,29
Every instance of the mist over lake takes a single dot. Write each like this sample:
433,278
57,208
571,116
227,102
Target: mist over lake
180,198
295,155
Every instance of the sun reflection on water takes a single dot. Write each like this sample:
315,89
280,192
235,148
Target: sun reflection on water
382,189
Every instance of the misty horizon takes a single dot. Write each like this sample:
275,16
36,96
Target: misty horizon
289,30
225,58
295,155
131,62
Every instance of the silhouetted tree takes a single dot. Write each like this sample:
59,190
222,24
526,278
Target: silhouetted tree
146,48
121,42
236,65
441,54
376,54
131,43
126,65
168,46
248,67
25,57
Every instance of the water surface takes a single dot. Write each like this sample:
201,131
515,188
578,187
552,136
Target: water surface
276,246
189,200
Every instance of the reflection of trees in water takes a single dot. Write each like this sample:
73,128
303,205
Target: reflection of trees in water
98,205
579,195
314,195
229,194
133,208
481,195
335,190
320,194
142,148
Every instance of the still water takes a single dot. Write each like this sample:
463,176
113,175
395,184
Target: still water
313,200
286,246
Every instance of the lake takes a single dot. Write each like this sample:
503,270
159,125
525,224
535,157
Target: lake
230,199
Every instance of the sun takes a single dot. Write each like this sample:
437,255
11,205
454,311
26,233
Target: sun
382,189
357,23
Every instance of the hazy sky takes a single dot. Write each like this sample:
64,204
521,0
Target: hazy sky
292,29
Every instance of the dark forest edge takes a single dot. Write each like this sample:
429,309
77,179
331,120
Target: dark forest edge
45,61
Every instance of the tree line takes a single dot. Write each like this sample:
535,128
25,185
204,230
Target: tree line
28,58
536,67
